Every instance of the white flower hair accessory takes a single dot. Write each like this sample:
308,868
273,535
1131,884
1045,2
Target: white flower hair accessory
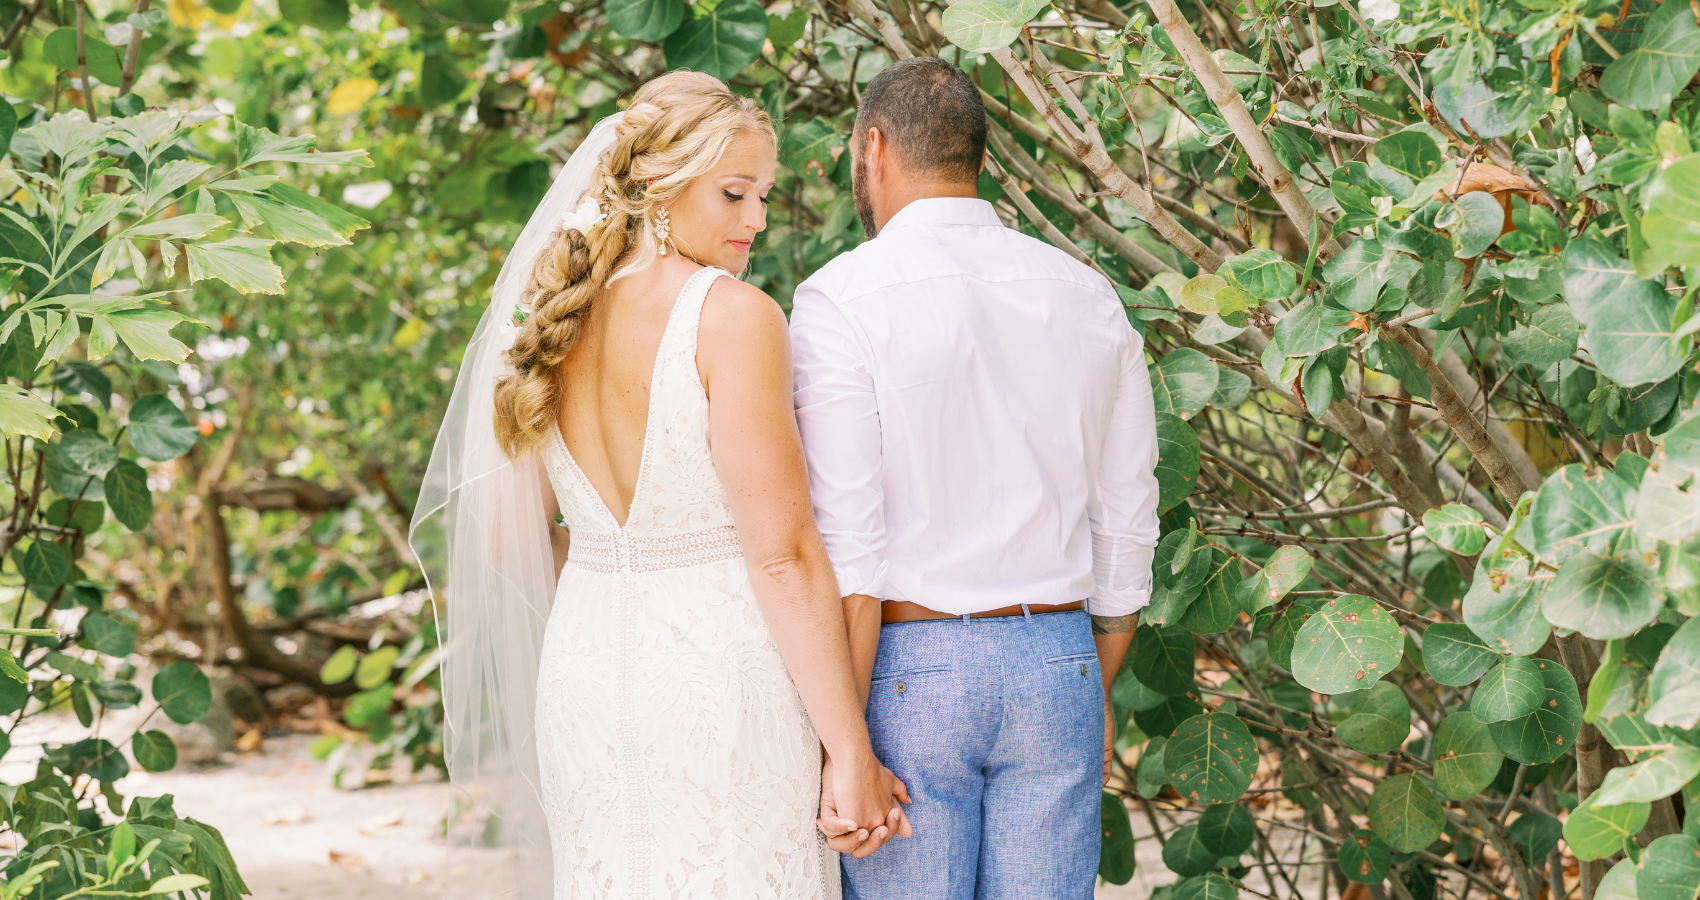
587,217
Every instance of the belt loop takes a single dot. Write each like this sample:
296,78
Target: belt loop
1026,613
965,619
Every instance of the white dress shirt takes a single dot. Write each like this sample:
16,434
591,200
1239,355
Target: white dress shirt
977,418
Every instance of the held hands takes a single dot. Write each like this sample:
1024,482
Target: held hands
859,807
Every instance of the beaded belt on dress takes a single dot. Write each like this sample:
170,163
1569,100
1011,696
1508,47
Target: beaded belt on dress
619,552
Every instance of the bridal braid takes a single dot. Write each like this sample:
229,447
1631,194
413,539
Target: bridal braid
676,128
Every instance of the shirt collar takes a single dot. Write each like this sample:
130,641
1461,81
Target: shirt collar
943,211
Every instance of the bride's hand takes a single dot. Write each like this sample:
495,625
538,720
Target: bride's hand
876,788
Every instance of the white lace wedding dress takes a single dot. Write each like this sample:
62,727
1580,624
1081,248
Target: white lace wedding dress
677,760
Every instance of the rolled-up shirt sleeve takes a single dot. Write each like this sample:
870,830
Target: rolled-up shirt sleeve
1123,513
839,419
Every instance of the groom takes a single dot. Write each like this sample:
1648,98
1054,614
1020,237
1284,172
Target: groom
980,437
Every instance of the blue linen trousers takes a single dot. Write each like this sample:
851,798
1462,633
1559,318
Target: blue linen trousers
996,725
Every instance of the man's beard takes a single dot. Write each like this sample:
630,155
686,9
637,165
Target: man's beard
859,190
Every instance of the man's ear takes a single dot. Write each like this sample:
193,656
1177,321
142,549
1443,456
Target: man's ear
873,151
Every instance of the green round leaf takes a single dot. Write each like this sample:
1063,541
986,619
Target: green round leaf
1595,833
13,693
1537,835
1454,655
1550,335
1261,273
1211,758
1365,858
1510,690
340,666
1356,277
1670,869
721,41
43,563
1285,569
1185,853
1628,319
154,751
94,757
1651,74
104,634
1603,597
1456,527
1380,720
1171,594
645,20
183,692
1226,829
1545,734
1284,633
88,452
1161,721
61,50
1177,461
1150,776
1654,778
375,668
158,429
1405,813
1474,223
1161,658
1503,605
1576,511
365,707
1116,856
128,495
1206,887
981,26
1183,381
1465,757
1217,605
1619,883
116,694
1347,646
1130,693
1674,687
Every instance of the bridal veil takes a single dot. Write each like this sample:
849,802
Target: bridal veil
480,533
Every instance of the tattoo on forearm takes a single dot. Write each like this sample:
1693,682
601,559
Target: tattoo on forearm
1114,624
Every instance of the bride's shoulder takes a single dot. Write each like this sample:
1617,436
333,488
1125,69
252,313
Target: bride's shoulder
737,317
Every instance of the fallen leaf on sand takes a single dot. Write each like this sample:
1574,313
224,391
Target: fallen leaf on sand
249,742
347,860
381,824
290,815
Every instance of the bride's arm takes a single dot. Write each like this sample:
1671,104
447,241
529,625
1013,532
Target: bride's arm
744,356
558,537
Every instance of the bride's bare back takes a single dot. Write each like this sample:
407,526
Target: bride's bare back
606,377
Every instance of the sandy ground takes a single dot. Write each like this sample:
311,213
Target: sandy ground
296,837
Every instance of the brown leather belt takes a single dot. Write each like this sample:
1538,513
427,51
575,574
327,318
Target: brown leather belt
892,611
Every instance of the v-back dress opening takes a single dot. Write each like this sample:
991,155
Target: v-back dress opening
676,757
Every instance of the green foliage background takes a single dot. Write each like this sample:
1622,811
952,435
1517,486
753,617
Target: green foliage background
1415,286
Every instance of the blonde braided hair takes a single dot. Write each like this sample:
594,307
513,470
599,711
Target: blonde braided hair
676,128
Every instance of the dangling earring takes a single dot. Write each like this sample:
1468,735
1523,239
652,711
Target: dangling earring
663,230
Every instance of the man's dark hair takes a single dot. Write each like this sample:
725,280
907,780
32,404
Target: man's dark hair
930,114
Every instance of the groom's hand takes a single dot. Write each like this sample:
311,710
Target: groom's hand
844,833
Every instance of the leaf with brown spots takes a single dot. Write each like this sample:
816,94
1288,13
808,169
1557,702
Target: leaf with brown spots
1211,758
1347,645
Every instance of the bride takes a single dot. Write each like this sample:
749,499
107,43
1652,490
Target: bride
645,652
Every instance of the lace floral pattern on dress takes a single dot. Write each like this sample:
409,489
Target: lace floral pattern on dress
677,759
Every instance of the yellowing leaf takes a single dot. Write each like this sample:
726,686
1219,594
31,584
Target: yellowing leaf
185,13
351,95
409,334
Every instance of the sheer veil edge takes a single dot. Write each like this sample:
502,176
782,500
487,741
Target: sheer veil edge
480,533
